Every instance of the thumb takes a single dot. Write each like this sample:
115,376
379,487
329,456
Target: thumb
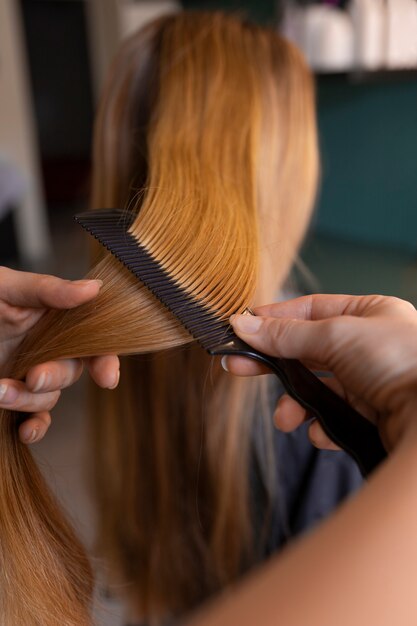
24,289
287,338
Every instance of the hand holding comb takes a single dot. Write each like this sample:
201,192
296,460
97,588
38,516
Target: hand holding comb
345,426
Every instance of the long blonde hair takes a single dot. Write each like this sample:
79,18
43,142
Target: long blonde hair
206,130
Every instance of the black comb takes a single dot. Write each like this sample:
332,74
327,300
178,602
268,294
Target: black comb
345,426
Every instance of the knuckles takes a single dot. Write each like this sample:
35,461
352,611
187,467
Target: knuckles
12,315
389,304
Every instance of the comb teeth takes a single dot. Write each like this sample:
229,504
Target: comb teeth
110,228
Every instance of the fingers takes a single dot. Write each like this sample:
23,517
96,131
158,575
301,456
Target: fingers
289,415
104,370
288,338
24,289
15,396
38,395
312,307
243,366
41,390
324,306
318,437
56,375
53,375
34,429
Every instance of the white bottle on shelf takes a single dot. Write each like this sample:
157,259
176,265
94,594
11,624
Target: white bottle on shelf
325,35
369,19
401,34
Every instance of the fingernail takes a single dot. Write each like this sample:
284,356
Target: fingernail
8,394
42,382
30,436
3,389
115,381
33,435
82,283
247,324
224,363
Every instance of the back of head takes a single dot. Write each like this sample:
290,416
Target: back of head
217,152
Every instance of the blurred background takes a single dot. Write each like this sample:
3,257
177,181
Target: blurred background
363,239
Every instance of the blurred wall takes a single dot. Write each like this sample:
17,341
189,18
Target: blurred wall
260,10
368,136
18,136
368,129
56,41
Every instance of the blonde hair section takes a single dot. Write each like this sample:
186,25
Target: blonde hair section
227,183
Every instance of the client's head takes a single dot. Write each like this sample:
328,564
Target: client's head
206,129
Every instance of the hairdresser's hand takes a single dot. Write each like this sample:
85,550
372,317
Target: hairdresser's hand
24,298
368,343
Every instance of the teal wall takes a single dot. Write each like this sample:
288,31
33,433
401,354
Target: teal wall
259,10
368,137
